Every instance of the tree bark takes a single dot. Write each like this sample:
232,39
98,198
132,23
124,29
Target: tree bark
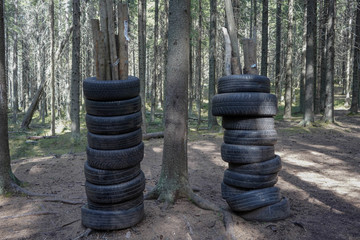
288,64
264,37
235,51
278,50
349,55
250,63
75,73
173,180
198,66
154,75
324,55
330,46
212,122
52,50
5,167
303,63
227,55
356,67
142,57
310,63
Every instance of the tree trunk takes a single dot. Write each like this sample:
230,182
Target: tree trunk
303,63
250,59
264,37
227,52
154,78
289,57
310,63
191,77
52,40
212,122
173,180
235,51
349,55
198,66
316,85
278,50
75,76
324,55
15,96
330,43
356,67
142,57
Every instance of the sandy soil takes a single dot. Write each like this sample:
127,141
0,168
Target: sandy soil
320,176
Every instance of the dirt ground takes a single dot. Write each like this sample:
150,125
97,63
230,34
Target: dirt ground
320,176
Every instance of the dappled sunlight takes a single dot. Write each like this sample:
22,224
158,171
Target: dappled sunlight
157,149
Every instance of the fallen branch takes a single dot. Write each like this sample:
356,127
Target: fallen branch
86,233
67,224
28,215
61,201
40,137
148,136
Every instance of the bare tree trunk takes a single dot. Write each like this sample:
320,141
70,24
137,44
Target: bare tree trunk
198,66
278,49
350,42
303,62
227,54
356,67
324,55
52,40
15,96
173,180
264,38
142,57
250,59
75,76
289,57
212,122
310,63
5,168
330,46
154,78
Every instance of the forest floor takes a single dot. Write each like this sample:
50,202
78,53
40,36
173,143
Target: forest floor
320,176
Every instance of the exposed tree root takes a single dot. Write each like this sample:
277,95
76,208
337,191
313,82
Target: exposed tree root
28,214
86,233
20,190
304,123
229,224
67,224
61,201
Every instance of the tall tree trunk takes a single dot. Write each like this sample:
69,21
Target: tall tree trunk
303,63
142,57
330,46
15,96
5,167
264,37
316,85
289,58
52,40
212,122
173,180
75,76
324,54
356,67
191,65
349,55
278,50
310,63
155,76
198,66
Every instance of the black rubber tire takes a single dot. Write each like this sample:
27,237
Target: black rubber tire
117,206
114,142
113,125
111,220
253,199
251,137
110,177
251,123
113,90
115,159
244,104
244,154
244,83
113,108
262,168
117,193
274,212
229,191
249,181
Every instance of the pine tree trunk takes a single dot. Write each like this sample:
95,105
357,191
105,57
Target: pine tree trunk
52,85
278,50
350,42
5,168
75,76
198,67
310,62
212,122
303,63
142,57
356,67
288,64
264,37
15,96
330,46
324,55
155,63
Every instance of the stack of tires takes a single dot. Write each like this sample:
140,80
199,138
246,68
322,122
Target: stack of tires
247,108
114,180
